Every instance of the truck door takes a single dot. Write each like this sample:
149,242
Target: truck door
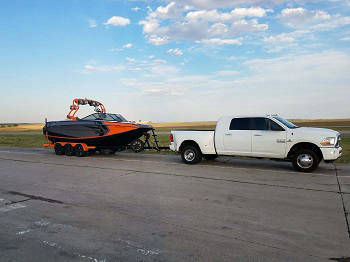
268,138
237,137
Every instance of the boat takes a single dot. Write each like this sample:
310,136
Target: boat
96,132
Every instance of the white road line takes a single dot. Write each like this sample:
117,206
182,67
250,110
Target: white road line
11,207
23,232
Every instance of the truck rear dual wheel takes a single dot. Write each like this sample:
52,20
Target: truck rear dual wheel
305,160
191,155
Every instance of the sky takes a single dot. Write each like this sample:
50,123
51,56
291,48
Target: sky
191,60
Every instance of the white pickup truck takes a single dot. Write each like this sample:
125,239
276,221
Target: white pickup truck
268,136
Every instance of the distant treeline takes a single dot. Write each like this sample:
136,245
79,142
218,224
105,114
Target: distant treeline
8,125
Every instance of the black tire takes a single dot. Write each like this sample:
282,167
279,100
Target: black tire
210,157
79,150
191,155
137,145
305,160
59,149
68,150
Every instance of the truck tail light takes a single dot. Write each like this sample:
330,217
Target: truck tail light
171,138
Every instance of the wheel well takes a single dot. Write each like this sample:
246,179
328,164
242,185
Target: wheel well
189,143
305,145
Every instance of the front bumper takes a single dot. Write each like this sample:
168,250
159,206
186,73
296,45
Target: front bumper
331,153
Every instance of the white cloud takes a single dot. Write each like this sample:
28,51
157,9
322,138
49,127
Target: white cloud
175,51
135,8
128,45
219,41
158,40
106,68
92,23
227,73
172,23
216,16
130,60
281,38
211,4
117,21
345,38
218,29
248,26
312,19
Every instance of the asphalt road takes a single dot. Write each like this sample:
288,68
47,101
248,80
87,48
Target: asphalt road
151,207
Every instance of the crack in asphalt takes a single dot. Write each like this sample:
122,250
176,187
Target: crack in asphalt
179,175
33,197
342,200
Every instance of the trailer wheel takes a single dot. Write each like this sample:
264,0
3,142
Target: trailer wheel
137,145
68,150
191,155
79,150
59,149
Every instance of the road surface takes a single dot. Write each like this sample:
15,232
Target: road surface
151,207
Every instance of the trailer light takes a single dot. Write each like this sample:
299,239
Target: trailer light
171,138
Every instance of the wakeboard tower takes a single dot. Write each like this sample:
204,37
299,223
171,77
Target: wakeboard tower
99,131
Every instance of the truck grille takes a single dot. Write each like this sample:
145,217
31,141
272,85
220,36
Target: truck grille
338,141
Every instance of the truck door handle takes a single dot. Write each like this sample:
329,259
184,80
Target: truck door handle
257,135
228,134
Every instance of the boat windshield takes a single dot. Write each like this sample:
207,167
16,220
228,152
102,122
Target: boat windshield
285,122
105,117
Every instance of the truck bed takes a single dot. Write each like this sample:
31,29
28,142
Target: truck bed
204,139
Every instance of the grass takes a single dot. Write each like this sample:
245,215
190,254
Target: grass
31,141
345,144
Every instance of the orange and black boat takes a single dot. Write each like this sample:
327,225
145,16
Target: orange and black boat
98,131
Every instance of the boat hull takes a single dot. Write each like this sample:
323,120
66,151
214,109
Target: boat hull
98,134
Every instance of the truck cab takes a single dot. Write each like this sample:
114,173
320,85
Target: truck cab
268,136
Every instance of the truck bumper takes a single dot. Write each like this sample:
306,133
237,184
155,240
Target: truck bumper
331,153
172,146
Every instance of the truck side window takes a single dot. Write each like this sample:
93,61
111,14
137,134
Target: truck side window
259,123
240,124
273,126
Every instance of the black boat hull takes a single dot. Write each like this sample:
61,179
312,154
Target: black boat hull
94,133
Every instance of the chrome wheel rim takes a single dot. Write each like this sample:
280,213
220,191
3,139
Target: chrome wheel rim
189,155
305,161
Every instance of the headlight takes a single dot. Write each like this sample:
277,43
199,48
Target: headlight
329,141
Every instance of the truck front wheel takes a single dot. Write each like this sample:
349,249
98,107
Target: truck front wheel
305,160
191,155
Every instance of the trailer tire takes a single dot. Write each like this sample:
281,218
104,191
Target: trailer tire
59,150
191,155
79,150
68,150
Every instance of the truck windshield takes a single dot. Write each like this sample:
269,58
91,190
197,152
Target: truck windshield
285,122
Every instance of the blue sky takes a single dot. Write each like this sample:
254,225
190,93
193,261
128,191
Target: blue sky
175,60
